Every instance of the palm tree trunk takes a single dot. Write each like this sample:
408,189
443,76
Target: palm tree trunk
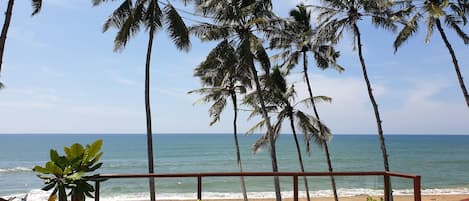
375,105
238,153
321,129
148,115
455,61
270,133
6,25
300,158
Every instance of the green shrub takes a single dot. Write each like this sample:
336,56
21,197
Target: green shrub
68,173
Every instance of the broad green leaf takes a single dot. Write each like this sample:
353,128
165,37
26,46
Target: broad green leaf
42,170
54,156
76,150
68,170
54,168
92,150
75,176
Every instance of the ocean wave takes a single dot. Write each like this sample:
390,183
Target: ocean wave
39,195
16,169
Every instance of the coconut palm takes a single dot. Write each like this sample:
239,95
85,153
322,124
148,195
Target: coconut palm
335,16
37,4
453,12
238,22
223,79
128,19
296,40
279,98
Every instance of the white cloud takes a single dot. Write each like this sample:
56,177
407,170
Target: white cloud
412,109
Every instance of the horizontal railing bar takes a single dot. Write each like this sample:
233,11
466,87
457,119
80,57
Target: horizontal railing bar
397,174
252,174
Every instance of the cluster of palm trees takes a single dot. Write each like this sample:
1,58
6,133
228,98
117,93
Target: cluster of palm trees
240,67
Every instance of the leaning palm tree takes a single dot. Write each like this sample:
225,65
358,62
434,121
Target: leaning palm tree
296,39
37,4
238,22
335,16
128,19
453,12
279,98
222,78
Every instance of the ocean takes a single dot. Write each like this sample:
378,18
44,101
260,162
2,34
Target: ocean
441,160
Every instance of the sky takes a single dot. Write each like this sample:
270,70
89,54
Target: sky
62,76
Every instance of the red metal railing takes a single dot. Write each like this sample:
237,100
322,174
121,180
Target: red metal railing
386,176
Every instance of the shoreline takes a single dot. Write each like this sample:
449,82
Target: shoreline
436,197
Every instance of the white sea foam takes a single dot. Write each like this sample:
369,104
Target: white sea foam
16,169
39,195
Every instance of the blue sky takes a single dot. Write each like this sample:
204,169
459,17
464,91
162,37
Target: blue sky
62,76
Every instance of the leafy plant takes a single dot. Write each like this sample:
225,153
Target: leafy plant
68,172
369,198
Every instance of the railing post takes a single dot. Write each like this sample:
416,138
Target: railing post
417,189
295,188
199,188
387,190
96,190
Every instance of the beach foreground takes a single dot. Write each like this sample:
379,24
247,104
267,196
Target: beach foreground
464,197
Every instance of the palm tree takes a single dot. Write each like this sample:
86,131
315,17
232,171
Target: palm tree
279,98
237,21
222,78
335,16
454,13
37,4
128,19
296,39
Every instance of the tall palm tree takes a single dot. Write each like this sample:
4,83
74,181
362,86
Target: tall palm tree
222,78
296,40
335,16
238,21
279,98
37,4
453,12
128,18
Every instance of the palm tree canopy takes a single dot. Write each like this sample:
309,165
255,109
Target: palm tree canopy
335,16
280,97
237,21
454,13
130,16
294,43
220,74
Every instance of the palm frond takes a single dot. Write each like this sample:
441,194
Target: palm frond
119,16
316,99
257,126
260,53
384,22
37,5
430,26
453,24
216,109
260,143
177,28
307,126
409,29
